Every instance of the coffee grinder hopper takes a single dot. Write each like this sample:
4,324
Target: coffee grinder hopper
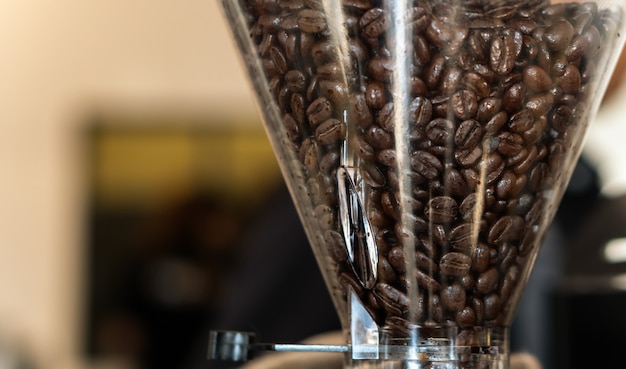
426,145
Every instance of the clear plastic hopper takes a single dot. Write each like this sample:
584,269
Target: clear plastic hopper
426,145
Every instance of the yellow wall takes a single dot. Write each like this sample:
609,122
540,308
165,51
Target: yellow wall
60,61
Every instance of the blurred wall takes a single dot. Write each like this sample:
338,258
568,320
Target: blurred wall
62,60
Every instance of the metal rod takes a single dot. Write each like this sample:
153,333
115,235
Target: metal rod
301,347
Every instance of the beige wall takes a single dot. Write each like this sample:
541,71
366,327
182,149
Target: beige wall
61,60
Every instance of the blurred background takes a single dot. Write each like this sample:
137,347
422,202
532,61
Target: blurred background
132,160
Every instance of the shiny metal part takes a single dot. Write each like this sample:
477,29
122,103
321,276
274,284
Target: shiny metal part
240,346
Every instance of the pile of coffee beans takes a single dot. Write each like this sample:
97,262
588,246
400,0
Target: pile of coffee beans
492,97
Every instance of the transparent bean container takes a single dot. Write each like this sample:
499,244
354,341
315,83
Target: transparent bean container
426,145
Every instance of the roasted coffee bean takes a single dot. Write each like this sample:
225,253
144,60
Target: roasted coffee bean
467,157
385,118
360,111
372,175
536,78
462,237
509,185
467,281
387,157
425,280
561,117
487,281
311,21
451,79
397,259
374,23
493,304
375,95
420,111
378,138
488,108
440,131
434,71
502,54
514,97
330,131
509,144
325,216
426,164
559,35
319,111
425,263
435,309
381,68
441,209
521,121
480,258
453,297
455,264
362,148
493,166
464,104
330,71
538,175
506,228
496,123
540,104
385,270
391,299
454,182
336,246
466,317
571,80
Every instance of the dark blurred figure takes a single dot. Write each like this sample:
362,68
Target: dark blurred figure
163,281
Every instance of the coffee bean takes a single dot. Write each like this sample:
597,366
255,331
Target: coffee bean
466,317
536,78
426,164
453,297
378,138
425,280
319,111
441,209
391,299
386,118
559,35
374,23
330,131
440,131
360,110
464,104
336,246
375,95
487,281
420,111
455,264
502,54
493,304
506,228
381,68
509,144
571,80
